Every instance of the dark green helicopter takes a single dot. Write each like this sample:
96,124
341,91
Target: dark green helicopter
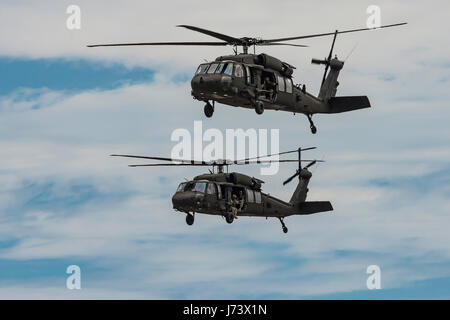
235,194
260,81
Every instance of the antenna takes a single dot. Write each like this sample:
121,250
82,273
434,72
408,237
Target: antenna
350,53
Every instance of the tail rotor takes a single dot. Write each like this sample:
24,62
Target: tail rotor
302,172
327,61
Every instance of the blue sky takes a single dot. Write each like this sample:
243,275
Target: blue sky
66,75
64,108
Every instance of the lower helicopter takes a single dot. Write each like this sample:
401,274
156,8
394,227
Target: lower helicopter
234,194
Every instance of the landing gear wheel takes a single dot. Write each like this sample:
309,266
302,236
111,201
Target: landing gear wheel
285,229
259,107
311,124
189,219
229,217
209,110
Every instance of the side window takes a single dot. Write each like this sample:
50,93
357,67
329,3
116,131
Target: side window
257,197
250,197
280,83
229,69
211,188
238,71
250,75
288,85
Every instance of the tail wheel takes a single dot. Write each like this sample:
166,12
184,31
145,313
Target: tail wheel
311,124
285,229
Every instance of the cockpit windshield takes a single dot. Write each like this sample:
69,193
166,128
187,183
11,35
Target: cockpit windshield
202,68
220,68
181,187
223,67
213,68
199,187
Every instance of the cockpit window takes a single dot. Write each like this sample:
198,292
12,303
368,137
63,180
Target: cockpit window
288,85
220,68
213,68
229,69
238,71
202,69
211,188
280,83
181,187
199,187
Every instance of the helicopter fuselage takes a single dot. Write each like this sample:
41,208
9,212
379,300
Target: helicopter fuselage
263,82
255,202
235,194
213,194
239,81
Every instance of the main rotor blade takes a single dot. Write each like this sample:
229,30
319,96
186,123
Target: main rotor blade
272,161
181,161
224,37
277,154
145,157
282,44
331,33
159,44
169,165
184,162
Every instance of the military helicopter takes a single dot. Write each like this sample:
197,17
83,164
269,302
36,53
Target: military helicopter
260,81
217,192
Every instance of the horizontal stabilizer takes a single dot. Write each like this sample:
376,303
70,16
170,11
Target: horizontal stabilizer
344,104
311,207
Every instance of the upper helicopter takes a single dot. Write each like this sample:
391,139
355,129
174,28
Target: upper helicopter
260,81
231,195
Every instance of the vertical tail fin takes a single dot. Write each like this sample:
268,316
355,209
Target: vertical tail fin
329,86
329,83
298,199
301,191
304,175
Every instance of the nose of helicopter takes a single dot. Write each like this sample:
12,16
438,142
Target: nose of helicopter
187,200
211,83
